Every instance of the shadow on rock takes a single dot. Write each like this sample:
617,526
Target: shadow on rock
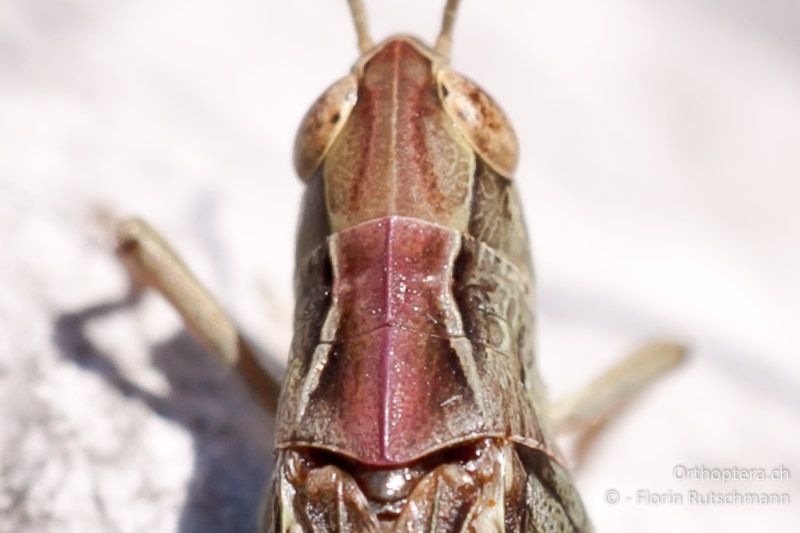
231,435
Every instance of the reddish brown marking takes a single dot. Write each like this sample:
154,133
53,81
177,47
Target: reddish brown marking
391,154
392,366
392,91
394,272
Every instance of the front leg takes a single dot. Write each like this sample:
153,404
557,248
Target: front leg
587,411
152,262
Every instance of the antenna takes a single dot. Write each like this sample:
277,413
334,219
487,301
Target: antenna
360,20
444,40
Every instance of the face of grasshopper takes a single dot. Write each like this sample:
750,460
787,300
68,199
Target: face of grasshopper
411,398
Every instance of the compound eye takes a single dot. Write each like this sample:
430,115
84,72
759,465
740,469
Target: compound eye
480,120
322,123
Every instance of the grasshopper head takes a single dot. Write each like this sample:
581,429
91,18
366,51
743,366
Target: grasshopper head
478,119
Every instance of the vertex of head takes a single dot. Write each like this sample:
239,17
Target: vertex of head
426,51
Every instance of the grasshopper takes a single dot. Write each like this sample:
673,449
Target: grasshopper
411,401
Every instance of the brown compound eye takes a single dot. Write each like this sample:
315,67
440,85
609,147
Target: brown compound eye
322,123
480,120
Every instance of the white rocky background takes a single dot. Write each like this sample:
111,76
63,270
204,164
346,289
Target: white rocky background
660,171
